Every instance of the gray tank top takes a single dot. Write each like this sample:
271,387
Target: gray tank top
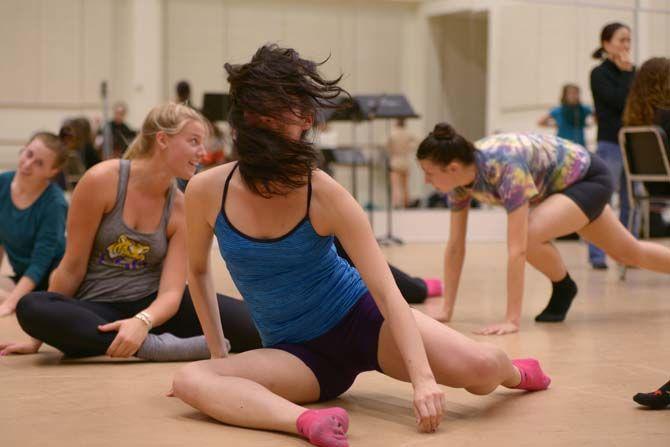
125,265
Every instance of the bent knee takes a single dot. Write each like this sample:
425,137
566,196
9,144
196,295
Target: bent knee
29,309
486,364
534,239
26,304
190,378
186,380
482,390
536,233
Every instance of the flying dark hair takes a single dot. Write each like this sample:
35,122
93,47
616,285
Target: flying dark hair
276,82
444,145
605,36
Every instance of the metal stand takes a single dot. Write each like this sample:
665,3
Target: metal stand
371,177
369,108
106,126
390,238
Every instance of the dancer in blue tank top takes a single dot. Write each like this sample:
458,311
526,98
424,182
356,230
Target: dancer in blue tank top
322,323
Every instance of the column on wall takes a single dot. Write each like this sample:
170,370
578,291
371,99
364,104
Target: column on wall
146,57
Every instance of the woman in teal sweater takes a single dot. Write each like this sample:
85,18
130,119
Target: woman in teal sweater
32,217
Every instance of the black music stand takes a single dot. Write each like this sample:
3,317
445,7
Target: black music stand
346,108
385,107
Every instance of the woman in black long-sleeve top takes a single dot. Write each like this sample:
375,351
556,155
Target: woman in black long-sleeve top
610,82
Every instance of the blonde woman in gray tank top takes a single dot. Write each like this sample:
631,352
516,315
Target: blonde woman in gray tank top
120,288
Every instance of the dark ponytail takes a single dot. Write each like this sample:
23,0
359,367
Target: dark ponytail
605,36
598,54
444,145
276,81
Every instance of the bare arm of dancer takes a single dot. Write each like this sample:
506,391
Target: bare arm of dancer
24,286
91,199
517,243
173,275
341,215
454,255
202,205
546,121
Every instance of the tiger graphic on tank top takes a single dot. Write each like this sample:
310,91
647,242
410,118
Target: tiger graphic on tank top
125,253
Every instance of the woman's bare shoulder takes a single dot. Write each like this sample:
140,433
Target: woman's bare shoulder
205,191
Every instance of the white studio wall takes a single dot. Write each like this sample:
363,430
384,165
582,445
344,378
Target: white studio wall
535,46
486,65
54,55
366,41
57,53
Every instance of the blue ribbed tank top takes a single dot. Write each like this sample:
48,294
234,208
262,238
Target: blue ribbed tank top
296,286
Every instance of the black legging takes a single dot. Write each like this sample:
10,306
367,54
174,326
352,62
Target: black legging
414,290
71,325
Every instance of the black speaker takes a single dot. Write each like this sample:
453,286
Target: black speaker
216,106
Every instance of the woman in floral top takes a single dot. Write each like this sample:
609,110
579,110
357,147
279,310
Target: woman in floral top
549,187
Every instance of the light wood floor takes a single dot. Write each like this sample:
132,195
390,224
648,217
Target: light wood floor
616,342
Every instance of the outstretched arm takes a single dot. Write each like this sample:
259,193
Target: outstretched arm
346,219
517,242
86,210
546,121
199,222
454,255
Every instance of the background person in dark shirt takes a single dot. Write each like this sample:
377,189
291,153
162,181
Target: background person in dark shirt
183,91
121,134
610,82
77,137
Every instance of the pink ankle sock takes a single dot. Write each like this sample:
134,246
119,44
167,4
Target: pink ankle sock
434,286
532,376
325,428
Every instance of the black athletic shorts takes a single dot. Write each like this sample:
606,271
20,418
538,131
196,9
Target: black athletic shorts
593,192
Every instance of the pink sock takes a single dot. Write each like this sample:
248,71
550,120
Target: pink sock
325,428
434,286
532,376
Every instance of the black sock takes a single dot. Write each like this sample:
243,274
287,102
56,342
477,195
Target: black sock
656,400
561,298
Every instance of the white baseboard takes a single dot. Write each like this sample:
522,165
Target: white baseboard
432,225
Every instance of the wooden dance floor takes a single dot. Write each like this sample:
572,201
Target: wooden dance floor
615,343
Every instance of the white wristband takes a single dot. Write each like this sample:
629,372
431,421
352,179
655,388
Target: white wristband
145,318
